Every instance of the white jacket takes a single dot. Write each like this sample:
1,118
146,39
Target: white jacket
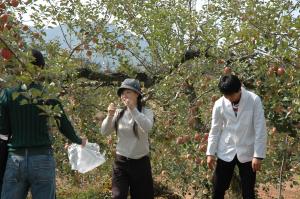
243,135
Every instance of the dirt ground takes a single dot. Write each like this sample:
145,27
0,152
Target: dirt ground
288,192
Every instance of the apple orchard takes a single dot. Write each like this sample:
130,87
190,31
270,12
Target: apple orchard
185,52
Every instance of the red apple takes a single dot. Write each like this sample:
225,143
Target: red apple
4,18
186,138
197,160
25,28
202,148
206,136
220,61
95,40
89,53
227,70
179,140
214,98
86,46
197,137
14,3
2,6
120,46
6,53
280,71
36,35
20,44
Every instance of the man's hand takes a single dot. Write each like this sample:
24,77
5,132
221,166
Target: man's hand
211,161
256,164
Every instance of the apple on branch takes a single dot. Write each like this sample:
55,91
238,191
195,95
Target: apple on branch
6,54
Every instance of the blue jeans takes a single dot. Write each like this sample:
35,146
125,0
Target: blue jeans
34,172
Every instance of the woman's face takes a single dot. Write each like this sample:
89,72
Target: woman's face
129,95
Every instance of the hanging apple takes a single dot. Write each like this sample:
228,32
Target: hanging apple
14,3
280,71
6,54
4,18
2,6
227,70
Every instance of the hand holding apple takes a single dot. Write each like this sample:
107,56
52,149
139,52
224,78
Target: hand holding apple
111,109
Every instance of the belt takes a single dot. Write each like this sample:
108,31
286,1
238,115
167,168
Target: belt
32,151
120,157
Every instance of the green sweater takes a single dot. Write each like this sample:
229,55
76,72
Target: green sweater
28,124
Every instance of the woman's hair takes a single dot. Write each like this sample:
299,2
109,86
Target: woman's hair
229,84
121,113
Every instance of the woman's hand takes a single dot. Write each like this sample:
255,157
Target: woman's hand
111,109
129,103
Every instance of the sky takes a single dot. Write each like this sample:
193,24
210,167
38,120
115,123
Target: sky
199,4
26,16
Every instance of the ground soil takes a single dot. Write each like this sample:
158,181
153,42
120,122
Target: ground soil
287,193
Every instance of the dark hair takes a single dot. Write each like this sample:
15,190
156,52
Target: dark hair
229,84
120,115
38,58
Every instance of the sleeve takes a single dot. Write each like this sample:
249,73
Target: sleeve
143,119
215,131
260,130
4,116
64,124
107,126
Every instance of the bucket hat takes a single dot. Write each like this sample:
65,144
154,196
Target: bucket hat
131,84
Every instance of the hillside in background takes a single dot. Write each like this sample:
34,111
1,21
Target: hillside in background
103,60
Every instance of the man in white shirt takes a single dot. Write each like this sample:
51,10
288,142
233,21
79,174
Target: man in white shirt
237,137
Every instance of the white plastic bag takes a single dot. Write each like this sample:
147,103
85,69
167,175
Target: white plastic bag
84,159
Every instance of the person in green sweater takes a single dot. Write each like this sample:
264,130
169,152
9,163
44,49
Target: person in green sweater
30,164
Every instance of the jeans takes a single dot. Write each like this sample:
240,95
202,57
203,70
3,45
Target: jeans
34,172
223,174
3,159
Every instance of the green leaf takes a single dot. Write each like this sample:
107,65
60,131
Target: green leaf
15,95
23,102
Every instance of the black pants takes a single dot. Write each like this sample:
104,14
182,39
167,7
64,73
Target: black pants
223,174
134,176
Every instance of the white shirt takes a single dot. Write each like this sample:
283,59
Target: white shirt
243,135
128,144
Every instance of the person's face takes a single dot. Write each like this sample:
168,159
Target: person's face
235,97
129,95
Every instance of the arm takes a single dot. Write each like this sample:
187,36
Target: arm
260,130
144,120
215,132
107,126
64,124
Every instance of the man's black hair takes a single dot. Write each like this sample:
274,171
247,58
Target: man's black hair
229,84
38,58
